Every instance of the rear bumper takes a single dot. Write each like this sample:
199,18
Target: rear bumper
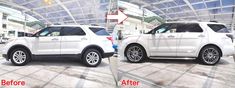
108,54
228,51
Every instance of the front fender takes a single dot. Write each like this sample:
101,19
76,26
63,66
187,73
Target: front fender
133,40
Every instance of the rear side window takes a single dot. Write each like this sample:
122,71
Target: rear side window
218,28
68,31
193,27
99,31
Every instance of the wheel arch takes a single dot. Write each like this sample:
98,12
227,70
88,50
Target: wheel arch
220,51
93,47
135,44
18,46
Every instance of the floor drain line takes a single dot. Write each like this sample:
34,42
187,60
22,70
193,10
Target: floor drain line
54,77
210,78
82,80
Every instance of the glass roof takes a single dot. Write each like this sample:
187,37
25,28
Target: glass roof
63,11
197,10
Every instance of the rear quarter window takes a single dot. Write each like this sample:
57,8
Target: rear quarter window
218,28
99,31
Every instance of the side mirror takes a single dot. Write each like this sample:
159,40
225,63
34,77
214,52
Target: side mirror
37,35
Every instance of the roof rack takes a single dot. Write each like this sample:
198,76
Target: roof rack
214,21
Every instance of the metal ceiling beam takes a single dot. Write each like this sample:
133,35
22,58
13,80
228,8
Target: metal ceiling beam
160,2
27,2
63,10
206,9
56,4
205,15
66,9
73,15
191,7
233,21
24,8
163,13
52,5
78,3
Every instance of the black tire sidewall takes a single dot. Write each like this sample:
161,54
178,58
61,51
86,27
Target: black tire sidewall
85,54
27,57
142,59
201,60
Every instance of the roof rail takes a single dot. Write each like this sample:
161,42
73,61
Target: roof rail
214,21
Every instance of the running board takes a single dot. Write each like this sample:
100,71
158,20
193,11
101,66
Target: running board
171,57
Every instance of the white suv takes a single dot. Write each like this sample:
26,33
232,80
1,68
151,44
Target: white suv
91,43
205,41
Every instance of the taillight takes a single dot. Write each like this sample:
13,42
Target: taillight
110,38
230,36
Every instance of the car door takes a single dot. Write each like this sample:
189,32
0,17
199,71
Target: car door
48,41
190,35
164,41
72,40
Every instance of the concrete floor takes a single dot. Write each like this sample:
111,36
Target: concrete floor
58,73
179,74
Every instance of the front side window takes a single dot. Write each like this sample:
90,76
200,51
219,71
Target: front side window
166,28
11,33
50,31
218,28
69,31
20,34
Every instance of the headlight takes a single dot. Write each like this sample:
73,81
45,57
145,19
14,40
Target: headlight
10,40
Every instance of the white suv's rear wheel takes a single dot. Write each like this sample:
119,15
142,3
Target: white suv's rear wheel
92,58
209,55
19,57
135,53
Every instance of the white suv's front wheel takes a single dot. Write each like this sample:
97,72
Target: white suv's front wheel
19,57
92,58
135,53
209,55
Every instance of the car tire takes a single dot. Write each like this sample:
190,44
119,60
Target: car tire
92,58
209,55
20,57
135,53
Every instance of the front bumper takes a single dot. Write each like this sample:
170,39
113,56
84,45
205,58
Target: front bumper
108,54
5,56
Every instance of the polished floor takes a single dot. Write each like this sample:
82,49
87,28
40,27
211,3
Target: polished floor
178,74
58,73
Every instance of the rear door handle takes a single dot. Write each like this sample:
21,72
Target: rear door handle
170,36
83,38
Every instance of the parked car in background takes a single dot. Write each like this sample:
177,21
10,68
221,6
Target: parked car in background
205,41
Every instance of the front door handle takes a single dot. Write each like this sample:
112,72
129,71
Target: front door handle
201,35
170,36
83,38
54,39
